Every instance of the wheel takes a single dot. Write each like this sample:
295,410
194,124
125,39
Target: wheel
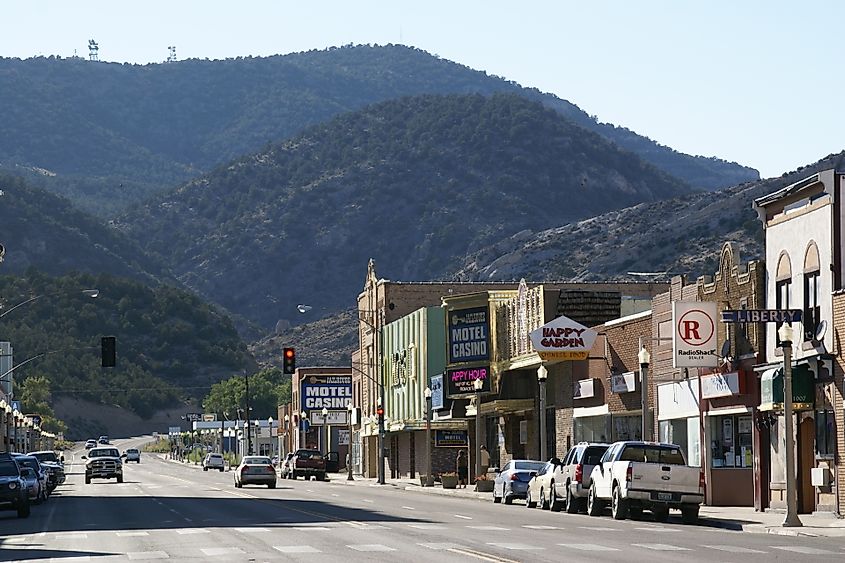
496,500
508,499
528,502
87,480
661,514
271,485
205,468
221,470
321,477
239,485
555,505
23,509
120,478
618,505
544,502
689,514
594,506
571,503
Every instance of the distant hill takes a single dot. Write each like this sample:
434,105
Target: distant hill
415,183
106,135
677,236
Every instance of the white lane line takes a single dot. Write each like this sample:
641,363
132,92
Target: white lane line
516,546
310,528
335,495
660,547
427,526
733,548
409,508
588,546
214,551
803,549
367,500
139,555
370,547
18,539
131,534
251,530
439,546
542,527
489,528
296,549
185,531
462,516
364,525
656,529
598,529
70,537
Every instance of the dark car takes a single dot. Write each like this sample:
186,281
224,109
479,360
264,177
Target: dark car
512,481
39,494
13,493
54,465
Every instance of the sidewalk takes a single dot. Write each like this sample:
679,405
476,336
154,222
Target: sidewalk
737,518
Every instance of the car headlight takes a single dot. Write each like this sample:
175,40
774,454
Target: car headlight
13,485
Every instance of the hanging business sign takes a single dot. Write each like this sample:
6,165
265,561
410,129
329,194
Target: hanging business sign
584,389
333,418
437,394
623,382
719,385
460,381
563,339
320,391
450,438
694,334
468,333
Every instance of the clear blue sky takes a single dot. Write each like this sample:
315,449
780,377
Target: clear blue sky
756,82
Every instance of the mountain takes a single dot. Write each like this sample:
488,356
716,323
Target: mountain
106,135
675,236
415,183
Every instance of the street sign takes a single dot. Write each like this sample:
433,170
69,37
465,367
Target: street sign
335,418
193,417
174,430
209,417
761,315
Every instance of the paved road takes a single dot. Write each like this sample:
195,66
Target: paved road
165,510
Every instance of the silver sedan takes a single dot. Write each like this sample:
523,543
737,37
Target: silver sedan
255,470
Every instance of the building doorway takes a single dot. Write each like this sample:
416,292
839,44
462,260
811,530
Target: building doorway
806,461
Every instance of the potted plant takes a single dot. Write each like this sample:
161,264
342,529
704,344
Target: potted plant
483,484
449,480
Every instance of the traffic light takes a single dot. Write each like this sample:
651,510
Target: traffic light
289,361
380,413
108,346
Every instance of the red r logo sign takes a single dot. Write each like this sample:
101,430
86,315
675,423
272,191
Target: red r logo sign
695,327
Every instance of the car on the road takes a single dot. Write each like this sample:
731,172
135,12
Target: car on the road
103,463
307,464
287,466
213,461
132,454
36,479
512,481
90,444
13,493
54,465
571,480
255,470
540,485
103,440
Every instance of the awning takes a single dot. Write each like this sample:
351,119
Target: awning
803,389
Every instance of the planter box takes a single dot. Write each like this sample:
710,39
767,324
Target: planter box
426,481
449,481
484,486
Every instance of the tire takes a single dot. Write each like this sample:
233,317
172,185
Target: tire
321,477
87,480
544,502
618,505
496,500
661,514
205,468
120,478
221,470
689,513
555,505
271,485
594,506
239,485
508,500
23,509
571,503
528,501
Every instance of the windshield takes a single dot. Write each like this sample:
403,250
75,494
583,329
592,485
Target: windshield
104,453
309,454
46,456
28,462
8,469
256,461
132,451
528,465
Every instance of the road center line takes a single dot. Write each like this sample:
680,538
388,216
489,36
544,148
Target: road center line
462,516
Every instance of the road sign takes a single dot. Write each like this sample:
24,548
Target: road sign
335,418
209,417
761,315
193,417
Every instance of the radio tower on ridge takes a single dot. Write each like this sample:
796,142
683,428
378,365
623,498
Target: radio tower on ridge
93,50
171,58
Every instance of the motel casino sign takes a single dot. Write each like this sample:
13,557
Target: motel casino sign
468,333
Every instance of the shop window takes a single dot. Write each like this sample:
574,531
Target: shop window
683,432
591,429
825,434
627,428
731,441
812,307
783,293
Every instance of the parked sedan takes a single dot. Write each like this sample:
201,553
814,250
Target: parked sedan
255,470
512,481
34,476
540,485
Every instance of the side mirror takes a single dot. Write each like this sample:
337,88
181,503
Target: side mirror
27,472
85,457
123,454
533,473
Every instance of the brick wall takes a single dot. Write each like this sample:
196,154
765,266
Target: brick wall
839,364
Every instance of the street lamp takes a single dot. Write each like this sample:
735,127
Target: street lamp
349,477
270,433
302,417
644,358
429,479
477,384
92,293
325,413
287,437
542,376
791,520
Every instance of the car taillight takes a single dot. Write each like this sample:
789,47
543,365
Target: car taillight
244,468
579,472
514,477
271,469
629,474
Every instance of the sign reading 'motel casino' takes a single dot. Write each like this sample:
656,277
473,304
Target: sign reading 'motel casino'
469,335
319,391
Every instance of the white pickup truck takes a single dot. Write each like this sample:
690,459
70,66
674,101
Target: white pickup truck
633,476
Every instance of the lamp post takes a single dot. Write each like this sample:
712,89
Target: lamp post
644,358
325,413
791,520
248,417
477,385
287,438
429,479
270,434
542,376
302,418
349,477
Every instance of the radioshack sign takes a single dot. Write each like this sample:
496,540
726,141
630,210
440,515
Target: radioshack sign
563,339
694,334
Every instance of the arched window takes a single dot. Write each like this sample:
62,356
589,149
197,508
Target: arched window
812,301
783,287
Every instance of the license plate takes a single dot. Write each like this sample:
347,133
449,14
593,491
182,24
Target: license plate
664,496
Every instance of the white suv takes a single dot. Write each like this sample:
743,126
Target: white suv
133,454
213,461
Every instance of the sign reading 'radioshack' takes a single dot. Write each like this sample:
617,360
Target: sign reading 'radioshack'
563,339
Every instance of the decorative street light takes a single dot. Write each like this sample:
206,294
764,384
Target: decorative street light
349,410
287,437
429,479
302,418
270,434
477,385
325,413
792,519
644,358
542,376
92,293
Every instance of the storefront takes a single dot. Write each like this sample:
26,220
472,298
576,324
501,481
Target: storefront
678,416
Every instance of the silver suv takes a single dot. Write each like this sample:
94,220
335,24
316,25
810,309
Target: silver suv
570,483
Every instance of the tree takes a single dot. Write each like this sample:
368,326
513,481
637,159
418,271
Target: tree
267,390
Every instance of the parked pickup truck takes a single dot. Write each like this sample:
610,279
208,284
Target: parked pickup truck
637,476
308,463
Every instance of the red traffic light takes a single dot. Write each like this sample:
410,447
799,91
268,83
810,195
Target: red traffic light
288,361
380,411
289,353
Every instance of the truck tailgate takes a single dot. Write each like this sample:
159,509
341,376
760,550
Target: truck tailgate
665,478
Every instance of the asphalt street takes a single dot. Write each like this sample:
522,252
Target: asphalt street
165,510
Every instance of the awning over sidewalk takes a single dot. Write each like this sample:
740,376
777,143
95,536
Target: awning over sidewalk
803,389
